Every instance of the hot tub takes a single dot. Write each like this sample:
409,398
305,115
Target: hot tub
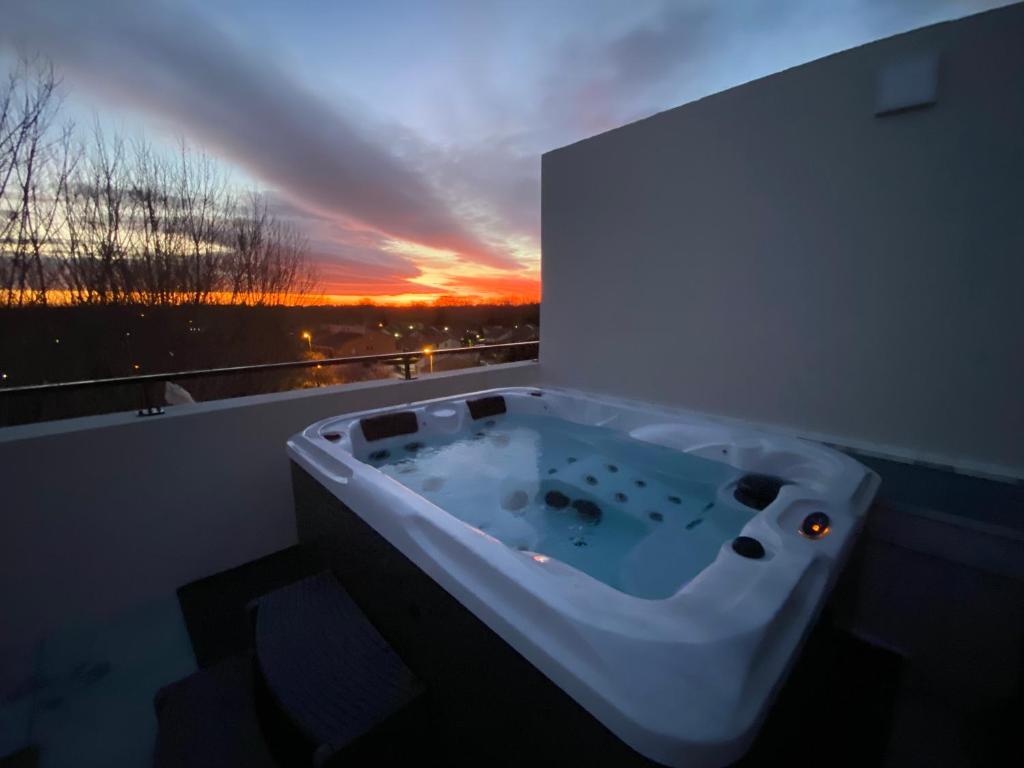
659,567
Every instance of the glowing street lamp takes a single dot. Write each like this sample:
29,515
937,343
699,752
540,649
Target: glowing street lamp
429,352
309,339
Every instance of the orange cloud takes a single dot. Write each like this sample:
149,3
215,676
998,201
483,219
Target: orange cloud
408,271
402,291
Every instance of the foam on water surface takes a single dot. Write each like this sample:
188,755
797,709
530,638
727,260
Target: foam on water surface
642,518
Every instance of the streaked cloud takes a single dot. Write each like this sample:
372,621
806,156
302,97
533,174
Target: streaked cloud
177,64
406,136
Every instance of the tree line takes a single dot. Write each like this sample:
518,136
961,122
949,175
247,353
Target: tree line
91,218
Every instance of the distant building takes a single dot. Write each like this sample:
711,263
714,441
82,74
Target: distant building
446,362
521,332
472,337
354,329
438,363
492,333
375,342
421,338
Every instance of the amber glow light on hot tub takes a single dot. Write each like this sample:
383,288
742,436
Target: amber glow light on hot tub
816,525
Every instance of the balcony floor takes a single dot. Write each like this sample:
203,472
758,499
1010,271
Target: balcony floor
85,696
89,697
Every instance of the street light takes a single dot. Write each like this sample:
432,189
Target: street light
429,352
309,339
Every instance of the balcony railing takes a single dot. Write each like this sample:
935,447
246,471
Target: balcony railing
148,382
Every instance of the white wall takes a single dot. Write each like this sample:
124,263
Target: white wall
103,512
778,253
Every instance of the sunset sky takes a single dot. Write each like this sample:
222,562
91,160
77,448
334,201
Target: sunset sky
404,138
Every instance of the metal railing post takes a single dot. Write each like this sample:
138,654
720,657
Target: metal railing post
146,407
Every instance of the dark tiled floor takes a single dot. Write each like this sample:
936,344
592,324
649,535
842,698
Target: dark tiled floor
846,702
215,608
210,720
23,758
931,729
839,700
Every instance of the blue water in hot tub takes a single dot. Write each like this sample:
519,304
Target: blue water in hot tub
642,518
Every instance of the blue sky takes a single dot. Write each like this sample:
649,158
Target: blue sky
405,136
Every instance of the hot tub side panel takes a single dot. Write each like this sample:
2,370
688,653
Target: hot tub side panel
488,704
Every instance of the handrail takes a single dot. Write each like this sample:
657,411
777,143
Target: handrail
406,358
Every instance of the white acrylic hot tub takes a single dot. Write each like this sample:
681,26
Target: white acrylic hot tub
684,679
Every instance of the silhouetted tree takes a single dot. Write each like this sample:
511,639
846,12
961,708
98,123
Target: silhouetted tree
27,107
102,222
